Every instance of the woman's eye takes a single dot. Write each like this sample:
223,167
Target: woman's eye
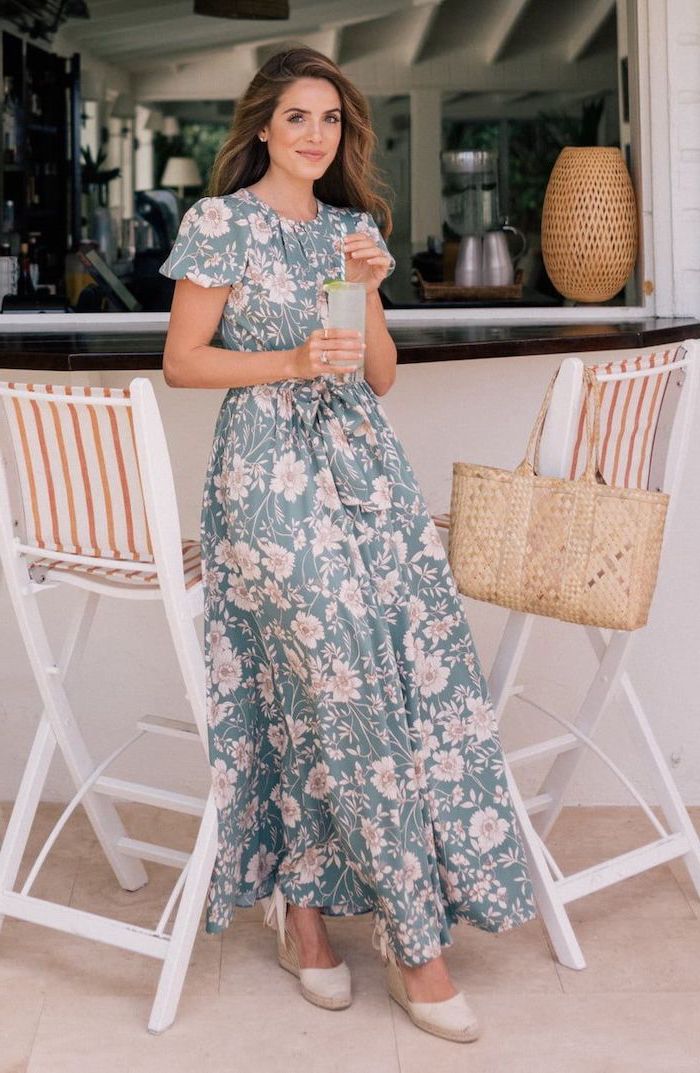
298,115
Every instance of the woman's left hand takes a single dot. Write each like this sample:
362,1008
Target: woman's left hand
364,261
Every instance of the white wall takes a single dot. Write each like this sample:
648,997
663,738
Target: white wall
673,38
684,122
471,410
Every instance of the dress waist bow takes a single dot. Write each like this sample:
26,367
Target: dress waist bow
336,411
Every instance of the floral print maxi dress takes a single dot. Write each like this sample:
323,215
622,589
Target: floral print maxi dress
354,753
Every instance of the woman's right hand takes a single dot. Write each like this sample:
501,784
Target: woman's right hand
329,350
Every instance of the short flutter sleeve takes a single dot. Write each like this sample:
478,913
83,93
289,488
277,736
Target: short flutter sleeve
366,222
211,245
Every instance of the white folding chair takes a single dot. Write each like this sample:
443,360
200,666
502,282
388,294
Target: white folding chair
648,404
87,499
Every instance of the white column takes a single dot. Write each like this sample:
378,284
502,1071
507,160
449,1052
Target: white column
120,155
143,157
127,166
684,143
114,160
426,181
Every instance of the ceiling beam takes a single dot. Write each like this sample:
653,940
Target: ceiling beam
205,33
422,20
332,47
353,20
498,38
326,13
121,18
384,34
325,41
593,17
225,72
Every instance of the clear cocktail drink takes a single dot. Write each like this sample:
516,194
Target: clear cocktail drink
346,309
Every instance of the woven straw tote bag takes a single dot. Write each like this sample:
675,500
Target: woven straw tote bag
578,550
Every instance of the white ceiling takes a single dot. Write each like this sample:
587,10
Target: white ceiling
142,35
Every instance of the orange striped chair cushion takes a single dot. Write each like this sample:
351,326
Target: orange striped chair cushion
122,575
78,474
628,416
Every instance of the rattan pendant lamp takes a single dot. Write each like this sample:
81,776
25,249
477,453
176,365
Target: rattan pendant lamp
589,224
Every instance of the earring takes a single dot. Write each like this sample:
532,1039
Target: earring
261,138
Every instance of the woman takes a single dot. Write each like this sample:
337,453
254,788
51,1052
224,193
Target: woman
355,759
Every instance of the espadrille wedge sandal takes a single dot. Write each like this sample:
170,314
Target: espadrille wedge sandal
451,1019
328,988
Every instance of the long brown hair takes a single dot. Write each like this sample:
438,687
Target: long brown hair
351,181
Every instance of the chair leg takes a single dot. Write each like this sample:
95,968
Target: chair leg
670,800
189,655
506,664
502,679
549,904
39,761
103,816
26,803
600,692
199,869
172,975
612,656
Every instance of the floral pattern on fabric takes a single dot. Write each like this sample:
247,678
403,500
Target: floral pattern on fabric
355,756
275,267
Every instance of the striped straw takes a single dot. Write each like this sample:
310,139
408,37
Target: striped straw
342,250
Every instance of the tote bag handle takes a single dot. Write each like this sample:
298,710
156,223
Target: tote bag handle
531,461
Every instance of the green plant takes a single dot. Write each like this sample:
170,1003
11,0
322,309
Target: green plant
533,146
565,129
91,173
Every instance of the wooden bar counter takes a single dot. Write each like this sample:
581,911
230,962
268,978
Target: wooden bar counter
130,350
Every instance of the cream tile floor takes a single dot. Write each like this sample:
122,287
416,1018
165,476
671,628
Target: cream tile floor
69,1006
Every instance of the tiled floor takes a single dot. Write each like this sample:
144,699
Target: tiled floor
70,1006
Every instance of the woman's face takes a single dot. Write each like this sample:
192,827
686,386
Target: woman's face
304,132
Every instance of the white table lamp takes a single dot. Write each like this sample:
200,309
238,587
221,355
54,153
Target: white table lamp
181,171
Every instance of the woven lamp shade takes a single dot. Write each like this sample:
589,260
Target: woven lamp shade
589,224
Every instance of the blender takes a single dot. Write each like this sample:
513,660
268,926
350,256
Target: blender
471,209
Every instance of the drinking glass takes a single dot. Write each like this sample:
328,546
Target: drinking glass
346,309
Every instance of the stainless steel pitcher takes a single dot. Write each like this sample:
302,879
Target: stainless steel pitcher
497,263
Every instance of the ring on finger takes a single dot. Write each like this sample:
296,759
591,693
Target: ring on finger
324,357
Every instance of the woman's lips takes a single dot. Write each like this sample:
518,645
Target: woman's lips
311,156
